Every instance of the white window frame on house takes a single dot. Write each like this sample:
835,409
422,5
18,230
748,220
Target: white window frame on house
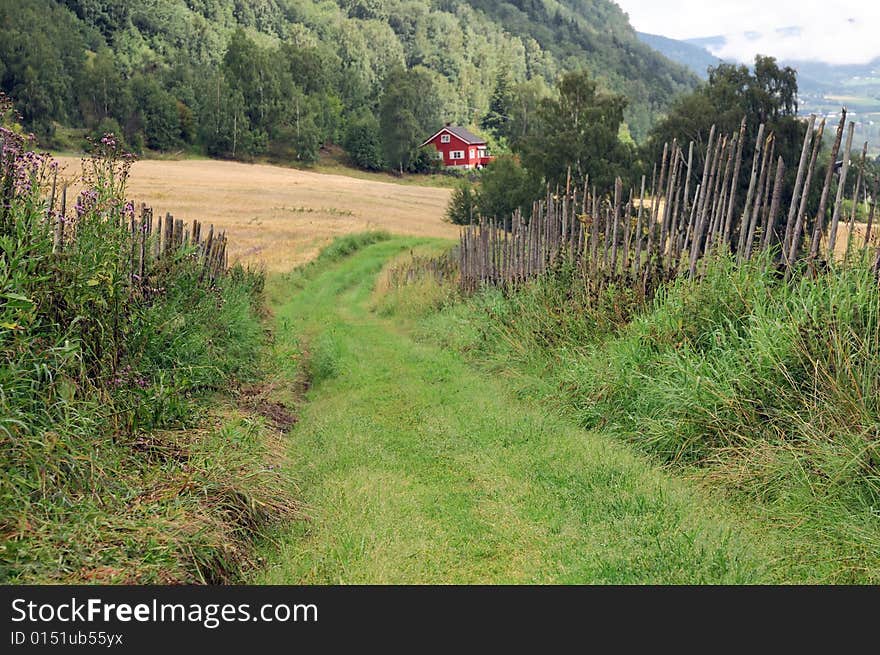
456,154
445,138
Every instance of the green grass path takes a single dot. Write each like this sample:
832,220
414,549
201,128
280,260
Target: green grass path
417,468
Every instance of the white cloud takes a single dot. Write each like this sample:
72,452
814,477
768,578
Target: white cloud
840,32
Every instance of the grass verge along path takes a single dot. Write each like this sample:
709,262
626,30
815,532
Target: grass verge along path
415,468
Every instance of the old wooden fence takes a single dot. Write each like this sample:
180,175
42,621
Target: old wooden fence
156,239
686,217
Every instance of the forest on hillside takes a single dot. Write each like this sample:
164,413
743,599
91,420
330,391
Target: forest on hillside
284,77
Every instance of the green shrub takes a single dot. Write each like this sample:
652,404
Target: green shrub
363,143
506,186
462,209
89,362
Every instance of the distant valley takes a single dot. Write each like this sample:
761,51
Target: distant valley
824,88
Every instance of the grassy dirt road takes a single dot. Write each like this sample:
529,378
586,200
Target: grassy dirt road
417,468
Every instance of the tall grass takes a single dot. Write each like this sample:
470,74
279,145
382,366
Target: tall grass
416,281
767,390
92,365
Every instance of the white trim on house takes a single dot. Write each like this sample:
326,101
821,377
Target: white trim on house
456,154
445,138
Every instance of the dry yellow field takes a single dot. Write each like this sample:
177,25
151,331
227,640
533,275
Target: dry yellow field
281,217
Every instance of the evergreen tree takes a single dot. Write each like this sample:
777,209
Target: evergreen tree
497,118
462,209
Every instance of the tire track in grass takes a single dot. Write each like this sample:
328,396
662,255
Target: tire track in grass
419,469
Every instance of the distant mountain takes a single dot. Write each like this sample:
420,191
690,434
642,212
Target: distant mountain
820,84
813,76
708,43
817,76
697,58
823,88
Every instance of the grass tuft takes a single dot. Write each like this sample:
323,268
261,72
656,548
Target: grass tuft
765,390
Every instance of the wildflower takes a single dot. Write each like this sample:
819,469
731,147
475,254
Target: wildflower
86,202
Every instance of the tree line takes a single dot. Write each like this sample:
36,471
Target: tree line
579,134
281,78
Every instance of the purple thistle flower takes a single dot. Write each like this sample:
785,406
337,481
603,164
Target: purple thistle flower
86,202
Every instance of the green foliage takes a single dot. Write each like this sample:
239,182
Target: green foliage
158,113
41,45
565,35
105,93
89,362
524,110
363,143
462,209
767,94
303,141
764,386
506,186
497,118
279,77
579,130
410,110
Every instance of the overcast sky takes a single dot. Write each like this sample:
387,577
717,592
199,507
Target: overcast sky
839,31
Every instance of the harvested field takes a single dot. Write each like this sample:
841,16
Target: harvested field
281,217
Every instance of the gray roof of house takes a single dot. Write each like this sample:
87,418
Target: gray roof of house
465,135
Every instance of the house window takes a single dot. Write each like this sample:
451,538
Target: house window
444,138
456,154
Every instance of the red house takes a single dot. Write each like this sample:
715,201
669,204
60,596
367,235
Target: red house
460,148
